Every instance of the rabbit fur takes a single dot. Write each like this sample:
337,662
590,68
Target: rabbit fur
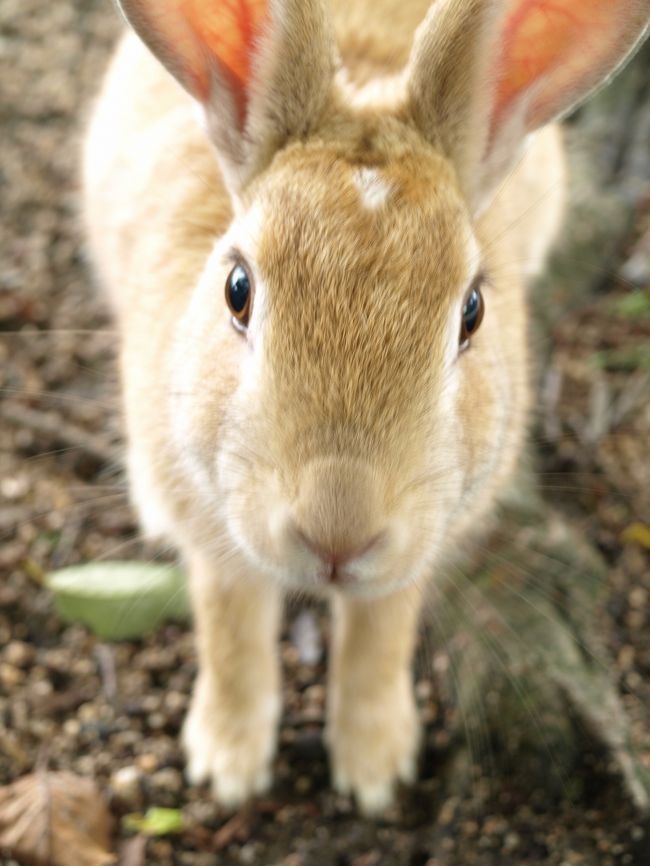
368,162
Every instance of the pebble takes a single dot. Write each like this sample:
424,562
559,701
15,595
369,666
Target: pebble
195,859
167,779
14,487
494,826
148,763
626,657
511,842
72,727
11,676
315,695
126,783
448,811
19,654
175,702
88,713
638,598
635,619
42,688
302,784
83,667
150,703
633,680
156,721
249,853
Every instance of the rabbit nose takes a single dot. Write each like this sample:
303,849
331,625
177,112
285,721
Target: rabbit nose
338,513
335,559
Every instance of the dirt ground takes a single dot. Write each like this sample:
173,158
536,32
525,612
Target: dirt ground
75,703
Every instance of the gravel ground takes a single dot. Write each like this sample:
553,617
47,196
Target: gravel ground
114,712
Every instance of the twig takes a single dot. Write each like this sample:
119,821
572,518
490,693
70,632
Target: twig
50,424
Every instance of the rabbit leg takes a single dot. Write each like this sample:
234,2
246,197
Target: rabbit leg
373,729
230,732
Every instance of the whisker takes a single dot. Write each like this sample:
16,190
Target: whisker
55,395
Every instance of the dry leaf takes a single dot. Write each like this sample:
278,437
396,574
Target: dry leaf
637,533
55,819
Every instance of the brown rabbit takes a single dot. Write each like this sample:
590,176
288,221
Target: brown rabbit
318,264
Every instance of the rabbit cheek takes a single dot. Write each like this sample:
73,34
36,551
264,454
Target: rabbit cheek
486,420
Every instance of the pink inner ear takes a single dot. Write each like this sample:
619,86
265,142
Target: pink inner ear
558,45
227,31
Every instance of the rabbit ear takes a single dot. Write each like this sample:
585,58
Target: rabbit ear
262,69
485,73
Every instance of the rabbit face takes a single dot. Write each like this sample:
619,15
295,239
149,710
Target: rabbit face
343,435
344,439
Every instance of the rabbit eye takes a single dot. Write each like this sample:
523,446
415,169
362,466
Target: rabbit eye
239,296
473,310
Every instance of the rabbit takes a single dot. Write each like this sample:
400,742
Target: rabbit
316,223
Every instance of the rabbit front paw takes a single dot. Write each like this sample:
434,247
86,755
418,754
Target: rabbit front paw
231,747
373,746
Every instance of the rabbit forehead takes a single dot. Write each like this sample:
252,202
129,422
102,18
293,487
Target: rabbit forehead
361,300
392,236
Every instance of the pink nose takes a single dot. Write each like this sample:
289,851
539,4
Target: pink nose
338,514
335,559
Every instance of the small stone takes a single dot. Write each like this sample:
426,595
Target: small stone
19,654
125,783
635,619
315,695
156,721
88,713
85,765
42,688
494,826
161,851
11,676
71,727
14,488
511,842
167,779
248,853
448,811
150,703
175,702
441,740
148,763
83,668
638,598
633,680
195,859
306,638
303,784
626,657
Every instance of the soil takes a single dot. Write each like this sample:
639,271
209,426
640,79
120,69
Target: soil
114,712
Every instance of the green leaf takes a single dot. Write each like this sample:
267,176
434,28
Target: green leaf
156,822
120,600
635,305
623,360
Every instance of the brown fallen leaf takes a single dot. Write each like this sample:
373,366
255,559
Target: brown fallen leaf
55,819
